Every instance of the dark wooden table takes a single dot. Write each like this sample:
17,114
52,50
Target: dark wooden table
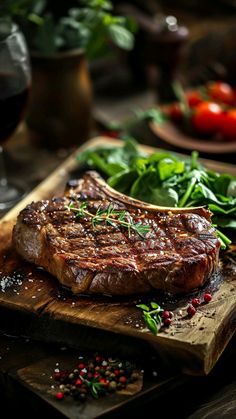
25,390
26,365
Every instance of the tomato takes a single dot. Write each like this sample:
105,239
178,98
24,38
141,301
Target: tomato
175,112
193,98
221,92
228,125
207,117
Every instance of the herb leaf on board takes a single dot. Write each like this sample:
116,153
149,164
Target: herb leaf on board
152,317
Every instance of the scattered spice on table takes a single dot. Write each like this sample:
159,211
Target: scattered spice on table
95,376
196,302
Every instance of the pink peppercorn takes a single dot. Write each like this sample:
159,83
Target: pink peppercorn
165,314
104,382
195,302
207,297
191,310
57,376
167,321
78,382
60,395
82,373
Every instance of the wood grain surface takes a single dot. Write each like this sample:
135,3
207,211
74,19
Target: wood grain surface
36,305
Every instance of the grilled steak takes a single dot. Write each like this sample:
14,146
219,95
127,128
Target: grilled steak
178,254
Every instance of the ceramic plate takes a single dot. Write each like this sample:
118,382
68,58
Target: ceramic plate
173,135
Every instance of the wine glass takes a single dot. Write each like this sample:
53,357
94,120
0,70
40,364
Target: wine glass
15,79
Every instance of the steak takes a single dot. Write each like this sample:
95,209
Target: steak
178,254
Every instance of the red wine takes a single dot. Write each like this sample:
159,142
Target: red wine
13,98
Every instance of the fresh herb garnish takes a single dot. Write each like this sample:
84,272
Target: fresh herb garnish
96,388
166,180
152,316
109,216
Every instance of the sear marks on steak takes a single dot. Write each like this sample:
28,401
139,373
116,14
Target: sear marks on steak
178,254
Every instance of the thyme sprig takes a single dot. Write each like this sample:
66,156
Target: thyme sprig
109,216
95,387
152,318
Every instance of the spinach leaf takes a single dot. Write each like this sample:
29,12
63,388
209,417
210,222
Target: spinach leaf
225,222
221,184
123,181
168,167
231,191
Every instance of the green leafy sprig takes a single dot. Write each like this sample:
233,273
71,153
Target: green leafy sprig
96,388
152,316
91,26
109,216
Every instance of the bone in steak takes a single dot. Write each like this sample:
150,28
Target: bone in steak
178,254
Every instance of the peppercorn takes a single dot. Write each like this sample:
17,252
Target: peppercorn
66,392
57,376
104,382
81,366
191,310
82,373
102,371
64,376
195,302
78,382
167,321
112,386
207,297
90,366
165,314
60,395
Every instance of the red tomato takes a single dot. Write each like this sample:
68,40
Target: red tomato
207,117
193,98
221,92
175,112
228,125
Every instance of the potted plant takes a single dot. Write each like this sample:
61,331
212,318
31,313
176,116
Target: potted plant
61,41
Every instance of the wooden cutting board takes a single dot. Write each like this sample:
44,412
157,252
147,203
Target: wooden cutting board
32,303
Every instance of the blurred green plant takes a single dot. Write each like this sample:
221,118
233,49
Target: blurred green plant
90,25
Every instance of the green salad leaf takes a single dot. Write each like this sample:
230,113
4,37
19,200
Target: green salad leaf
167,180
